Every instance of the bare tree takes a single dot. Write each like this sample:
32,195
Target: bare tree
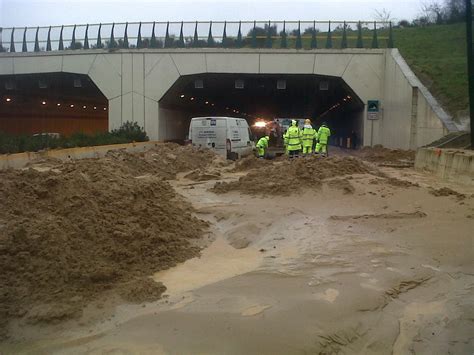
382,15
432,11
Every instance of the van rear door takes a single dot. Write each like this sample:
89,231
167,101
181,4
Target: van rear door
209,132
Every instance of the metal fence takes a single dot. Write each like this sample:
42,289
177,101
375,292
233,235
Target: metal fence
250,34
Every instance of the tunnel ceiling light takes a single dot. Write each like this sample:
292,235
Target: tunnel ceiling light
43,102
105,108
323,85
207,102
192,98
58,104
8,99
239,84
84,106
213,105
198,84
95,107
181,96
72,105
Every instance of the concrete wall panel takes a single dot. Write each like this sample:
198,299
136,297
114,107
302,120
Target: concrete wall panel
151,60
192,63
161,78
43,64
127,73
287,63
151,118
80,64
331,64
232,63
138,109
115,113
360,76
138,75
6,66
127,107
105,77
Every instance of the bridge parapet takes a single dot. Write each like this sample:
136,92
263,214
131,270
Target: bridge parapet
185,34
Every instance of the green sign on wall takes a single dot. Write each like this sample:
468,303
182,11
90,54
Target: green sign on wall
373,109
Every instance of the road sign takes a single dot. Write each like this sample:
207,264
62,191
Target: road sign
373,109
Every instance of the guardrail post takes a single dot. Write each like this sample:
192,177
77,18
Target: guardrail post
37,47
61,43
390,36
125,36
48,41
99,39
153,43
360,42
329,38
210,40
298,43
12,41
239,36
112,43
344,36
284,43
24,47
268,40
254,35
375,42
181,37
86,38
314,41
139,37
167,36
196,37
224,36
73,41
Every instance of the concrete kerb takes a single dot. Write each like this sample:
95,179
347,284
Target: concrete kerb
20,160
447,164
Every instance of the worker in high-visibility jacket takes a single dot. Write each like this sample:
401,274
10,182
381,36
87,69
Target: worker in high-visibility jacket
262,146
307,137
323,137
294,140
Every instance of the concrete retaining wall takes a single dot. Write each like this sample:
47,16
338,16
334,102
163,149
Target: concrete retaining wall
20,160
448,164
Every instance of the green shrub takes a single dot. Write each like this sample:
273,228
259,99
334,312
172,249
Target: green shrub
127,133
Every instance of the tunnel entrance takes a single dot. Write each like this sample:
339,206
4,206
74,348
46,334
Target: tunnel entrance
262,96
61,103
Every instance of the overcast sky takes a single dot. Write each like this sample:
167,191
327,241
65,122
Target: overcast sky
20,13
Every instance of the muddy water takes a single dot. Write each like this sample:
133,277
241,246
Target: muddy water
371,273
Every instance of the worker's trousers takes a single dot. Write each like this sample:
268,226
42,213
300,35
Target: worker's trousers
307,149
321,148
261,152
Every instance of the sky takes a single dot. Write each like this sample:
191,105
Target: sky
19,13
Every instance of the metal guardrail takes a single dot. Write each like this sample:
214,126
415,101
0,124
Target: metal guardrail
252,34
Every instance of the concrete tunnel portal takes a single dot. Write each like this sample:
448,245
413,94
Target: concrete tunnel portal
261,97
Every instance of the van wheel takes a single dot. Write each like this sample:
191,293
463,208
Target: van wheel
232,156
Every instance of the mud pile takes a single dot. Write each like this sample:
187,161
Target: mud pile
289,176
250,162
77,229
379,154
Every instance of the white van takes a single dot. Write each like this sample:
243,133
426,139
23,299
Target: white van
228,136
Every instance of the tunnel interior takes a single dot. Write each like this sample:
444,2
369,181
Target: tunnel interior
262,97
63,103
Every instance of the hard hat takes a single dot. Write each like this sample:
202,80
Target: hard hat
293,122
307,121
267,138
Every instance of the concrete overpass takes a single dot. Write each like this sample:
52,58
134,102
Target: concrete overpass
155,87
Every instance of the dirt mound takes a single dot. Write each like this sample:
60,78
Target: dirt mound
446,191
250,162
342,184
285,177
199,175
73,231
379,154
